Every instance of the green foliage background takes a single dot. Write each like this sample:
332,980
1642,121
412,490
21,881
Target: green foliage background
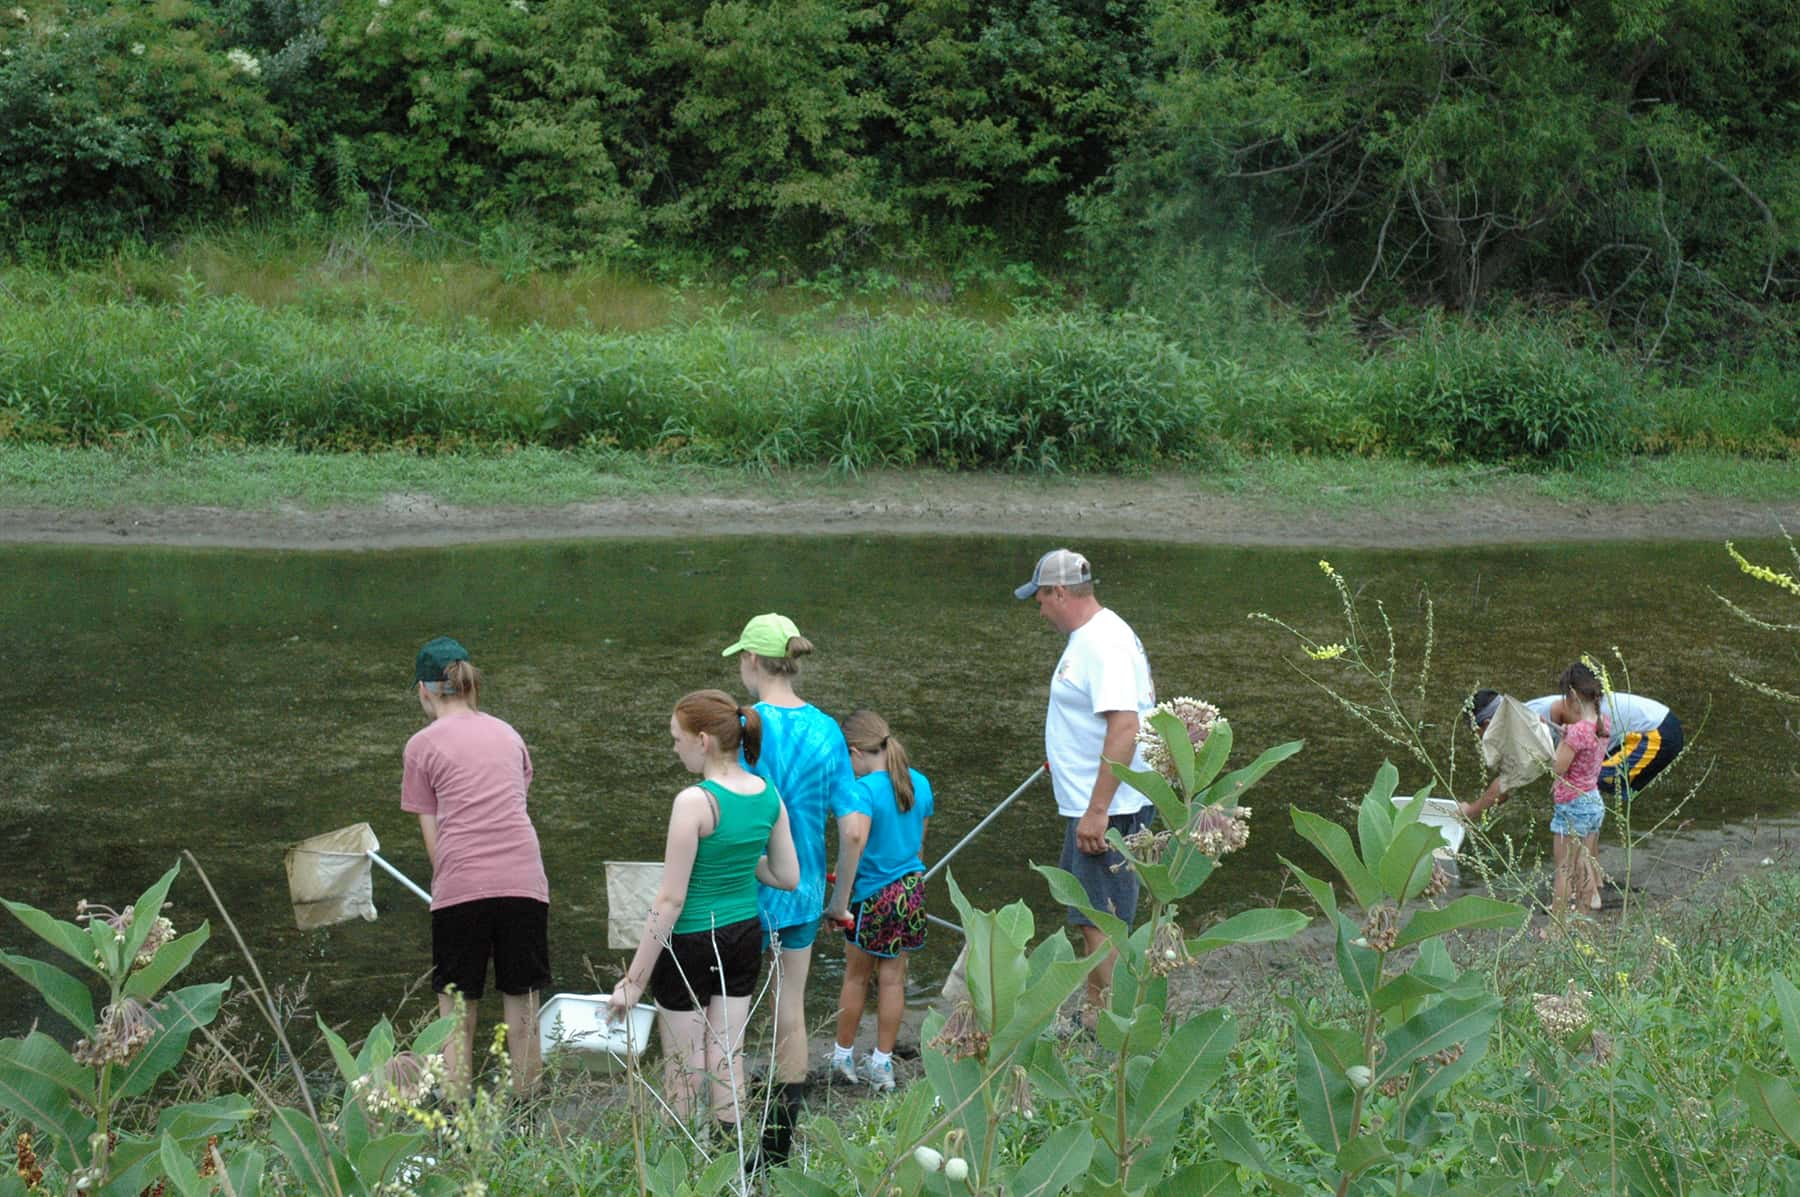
1473,230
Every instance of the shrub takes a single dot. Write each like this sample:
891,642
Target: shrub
118,117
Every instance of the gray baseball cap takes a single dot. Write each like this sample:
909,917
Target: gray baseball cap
1058,567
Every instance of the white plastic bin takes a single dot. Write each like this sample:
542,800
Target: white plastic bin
1442,813
577,1022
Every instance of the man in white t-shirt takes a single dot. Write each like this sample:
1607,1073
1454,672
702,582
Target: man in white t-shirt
1099,690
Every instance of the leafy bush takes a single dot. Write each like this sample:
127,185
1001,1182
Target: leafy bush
1040,393
114,117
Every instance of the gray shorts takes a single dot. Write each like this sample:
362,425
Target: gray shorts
1116,893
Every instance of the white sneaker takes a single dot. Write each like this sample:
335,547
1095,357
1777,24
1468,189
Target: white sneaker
879,1076
844,1069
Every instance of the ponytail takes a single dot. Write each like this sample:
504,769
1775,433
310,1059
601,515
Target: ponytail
714,713
785,666
461,680
868,732
1580,680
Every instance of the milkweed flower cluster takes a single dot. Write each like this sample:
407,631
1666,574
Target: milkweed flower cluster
1168,950
1146,846
121,922
398,1085
1219,830
961,1035
1197,716
26,1161
1562,1014
125,1026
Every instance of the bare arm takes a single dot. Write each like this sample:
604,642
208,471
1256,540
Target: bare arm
853,837
779,867
689,815
1493,796
1120,742
1565,756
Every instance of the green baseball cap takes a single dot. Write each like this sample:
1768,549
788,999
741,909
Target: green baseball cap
766,636
435,656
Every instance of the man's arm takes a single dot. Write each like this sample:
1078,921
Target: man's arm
1121,739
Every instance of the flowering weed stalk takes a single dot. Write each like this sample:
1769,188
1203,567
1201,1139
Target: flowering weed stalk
1368,657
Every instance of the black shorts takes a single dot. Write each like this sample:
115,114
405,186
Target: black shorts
687,975
514,932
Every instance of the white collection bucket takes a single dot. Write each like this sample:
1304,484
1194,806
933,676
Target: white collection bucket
1443,814
577,1023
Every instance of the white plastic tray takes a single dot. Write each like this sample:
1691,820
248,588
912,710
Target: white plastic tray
1441,813
577,1022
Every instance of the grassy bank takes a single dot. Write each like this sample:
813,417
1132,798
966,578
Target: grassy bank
265,478
314,348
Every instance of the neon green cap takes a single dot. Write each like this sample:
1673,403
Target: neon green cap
766,636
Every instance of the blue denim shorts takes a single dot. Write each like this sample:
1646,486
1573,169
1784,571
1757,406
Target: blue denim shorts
1581,817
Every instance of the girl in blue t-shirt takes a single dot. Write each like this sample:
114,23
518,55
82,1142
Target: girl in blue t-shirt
879,898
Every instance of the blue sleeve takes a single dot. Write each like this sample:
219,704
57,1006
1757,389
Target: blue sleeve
922,794
858,802
844,790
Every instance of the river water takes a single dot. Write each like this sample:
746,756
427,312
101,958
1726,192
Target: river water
232,703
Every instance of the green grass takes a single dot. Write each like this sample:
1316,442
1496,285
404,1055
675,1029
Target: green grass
263,478
274,339
266,478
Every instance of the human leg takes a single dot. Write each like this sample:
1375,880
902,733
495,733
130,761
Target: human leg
858,965
726,1018
1562,850
521,1013
1590,871
792,965
683,1034
521,972
459,1049
890,1003
1111,885
461,944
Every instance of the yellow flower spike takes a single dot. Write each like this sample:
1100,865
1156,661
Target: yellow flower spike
1623,978
1325,568
1763,573
1327,652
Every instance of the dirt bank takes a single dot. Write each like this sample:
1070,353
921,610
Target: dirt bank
1161,508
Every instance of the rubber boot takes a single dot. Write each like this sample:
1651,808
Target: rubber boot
778,1134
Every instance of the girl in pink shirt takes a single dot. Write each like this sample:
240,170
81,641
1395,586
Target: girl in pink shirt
1579,808
466,776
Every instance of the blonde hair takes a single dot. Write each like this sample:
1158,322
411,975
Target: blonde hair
868,732
461,680
788,666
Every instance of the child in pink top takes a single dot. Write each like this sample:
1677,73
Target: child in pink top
466,777
1579,808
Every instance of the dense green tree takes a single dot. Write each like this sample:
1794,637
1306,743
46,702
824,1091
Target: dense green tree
114,117
1632,151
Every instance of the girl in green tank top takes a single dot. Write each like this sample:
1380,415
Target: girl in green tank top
726,834
722,888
